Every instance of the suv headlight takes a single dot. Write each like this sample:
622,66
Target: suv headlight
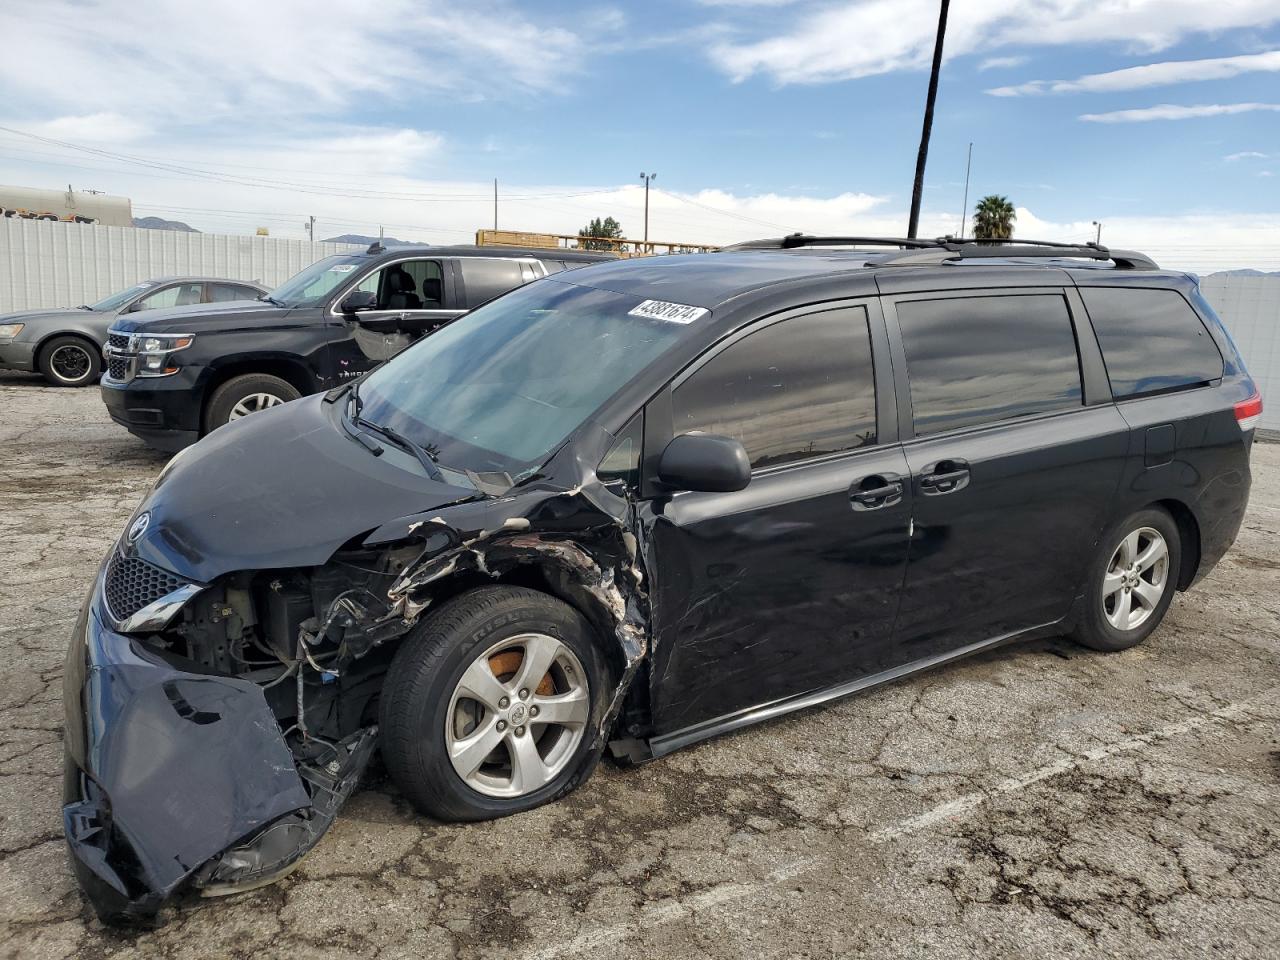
9,330
155,353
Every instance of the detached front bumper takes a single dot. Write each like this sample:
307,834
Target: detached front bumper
175,778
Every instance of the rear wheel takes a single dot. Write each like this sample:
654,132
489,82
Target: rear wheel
246,394
70,361
1131,582
490,705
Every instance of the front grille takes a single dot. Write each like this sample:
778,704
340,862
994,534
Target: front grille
117,367
118,340
132,584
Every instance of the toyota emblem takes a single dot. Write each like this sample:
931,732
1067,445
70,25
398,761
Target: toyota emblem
138,527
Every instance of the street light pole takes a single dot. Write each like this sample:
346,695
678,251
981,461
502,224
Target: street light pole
1098,238
964,210
913,224
646,177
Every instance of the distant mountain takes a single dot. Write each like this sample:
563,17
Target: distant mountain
1246,272
360,238
159,223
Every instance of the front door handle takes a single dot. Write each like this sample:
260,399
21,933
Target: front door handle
876,491
945,476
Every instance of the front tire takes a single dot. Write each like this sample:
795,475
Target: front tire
1131,582
70,361
246,394
490,705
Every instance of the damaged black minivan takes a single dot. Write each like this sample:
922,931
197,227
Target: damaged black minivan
628,508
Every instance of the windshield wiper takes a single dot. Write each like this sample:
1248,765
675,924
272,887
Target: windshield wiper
84,306
425,457
268,298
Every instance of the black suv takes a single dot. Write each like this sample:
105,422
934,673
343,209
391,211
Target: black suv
635,506
173,377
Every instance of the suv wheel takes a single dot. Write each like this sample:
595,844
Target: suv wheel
490,705
246,394
1131,581
70,361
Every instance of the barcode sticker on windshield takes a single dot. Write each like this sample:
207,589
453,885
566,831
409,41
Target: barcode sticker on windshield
342,268
671,312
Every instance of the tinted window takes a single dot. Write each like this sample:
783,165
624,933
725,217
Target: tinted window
1151,340
977,359
796,389
486,279
553,266
224,292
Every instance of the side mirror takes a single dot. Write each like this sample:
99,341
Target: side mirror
135,307
706,462
358,300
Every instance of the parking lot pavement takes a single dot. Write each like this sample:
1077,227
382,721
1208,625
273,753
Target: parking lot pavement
1041,800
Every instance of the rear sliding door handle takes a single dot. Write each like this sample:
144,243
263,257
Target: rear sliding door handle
945,476
876,491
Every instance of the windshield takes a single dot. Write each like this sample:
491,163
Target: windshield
500,388
117,300
313,284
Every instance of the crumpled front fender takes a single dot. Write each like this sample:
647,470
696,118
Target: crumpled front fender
165,769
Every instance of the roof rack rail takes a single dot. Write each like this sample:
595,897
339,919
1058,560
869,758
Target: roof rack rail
950,250
796,240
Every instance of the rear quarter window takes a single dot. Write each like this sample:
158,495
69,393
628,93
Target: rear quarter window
1152,340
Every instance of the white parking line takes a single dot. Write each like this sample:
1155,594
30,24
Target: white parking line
714,897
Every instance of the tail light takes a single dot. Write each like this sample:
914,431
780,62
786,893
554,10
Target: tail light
1249,412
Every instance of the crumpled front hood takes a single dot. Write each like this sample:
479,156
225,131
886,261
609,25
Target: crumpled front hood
283,488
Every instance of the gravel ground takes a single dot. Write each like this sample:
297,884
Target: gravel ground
1041,800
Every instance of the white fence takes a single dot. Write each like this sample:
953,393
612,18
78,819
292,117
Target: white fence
48,264
1250,307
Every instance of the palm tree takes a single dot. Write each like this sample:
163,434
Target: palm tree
993,218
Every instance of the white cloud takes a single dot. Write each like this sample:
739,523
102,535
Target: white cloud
880,36
1173,111
1150,75
106,127
1245,155
179,63
1002,63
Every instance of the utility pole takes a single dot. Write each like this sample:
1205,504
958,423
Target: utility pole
311,228
646,177
913,225
495,203
964,211
1098,238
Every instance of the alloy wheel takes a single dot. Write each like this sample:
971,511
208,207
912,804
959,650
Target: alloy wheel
517,715
1135,579
253,403
70,363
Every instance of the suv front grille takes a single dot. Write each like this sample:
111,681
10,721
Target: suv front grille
132,583
119,358
117,367
118,340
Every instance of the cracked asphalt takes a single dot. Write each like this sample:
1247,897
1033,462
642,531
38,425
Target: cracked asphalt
1041,800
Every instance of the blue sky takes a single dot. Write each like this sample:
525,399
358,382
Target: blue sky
758,115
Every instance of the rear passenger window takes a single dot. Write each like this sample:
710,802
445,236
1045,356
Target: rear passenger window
227,292
486,279
797,389
975,360
1151,340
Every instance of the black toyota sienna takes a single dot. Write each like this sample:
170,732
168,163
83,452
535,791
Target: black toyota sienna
629,507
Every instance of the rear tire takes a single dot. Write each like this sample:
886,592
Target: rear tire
1131,582
246,394
70,361
429,716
